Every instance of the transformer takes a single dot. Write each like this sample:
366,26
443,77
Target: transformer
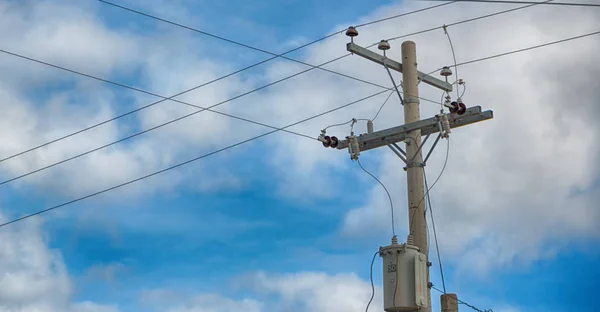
404,277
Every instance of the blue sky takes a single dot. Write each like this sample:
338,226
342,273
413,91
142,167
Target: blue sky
282,222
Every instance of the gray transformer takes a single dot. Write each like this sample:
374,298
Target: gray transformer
404,277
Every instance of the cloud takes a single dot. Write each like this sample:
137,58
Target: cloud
34,277
514,174
507,195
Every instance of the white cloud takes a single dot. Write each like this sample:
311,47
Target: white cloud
33,277
513,174
507,192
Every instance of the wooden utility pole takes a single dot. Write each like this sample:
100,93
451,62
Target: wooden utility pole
406,266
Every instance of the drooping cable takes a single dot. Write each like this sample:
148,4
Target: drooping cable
462,302
382,105
412,217
372,284
386,191
434,231
453,56
183,163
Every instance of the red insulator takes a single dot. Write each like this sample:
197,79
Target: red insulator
462,108
334,142
327,141
351,32
454,107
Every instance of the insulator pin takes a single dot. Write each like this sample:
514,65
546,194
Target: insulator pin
369,126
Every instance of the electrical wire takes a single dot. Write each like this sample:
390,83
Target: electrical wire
529,48
434,232
462,302
199,86
412,217
466,21
372,284
402,14
241,95
526,2
386,191
453,56
382,105
185,162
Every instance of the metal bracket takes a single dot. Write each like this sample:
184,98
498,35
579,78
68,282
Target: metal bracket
427,126
398,151
383,60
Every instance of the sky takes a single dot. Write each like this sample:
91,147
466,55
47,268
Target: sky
281,223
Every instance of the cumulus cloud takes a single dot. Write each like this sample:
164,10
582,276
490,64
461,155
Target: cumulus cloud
517,173
33,277
508,193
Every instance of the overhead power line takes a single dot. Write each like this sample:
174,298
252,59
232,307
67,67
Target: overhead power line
462,302
467,20
529,48
265,86
527,2
186,162
206,83
524,49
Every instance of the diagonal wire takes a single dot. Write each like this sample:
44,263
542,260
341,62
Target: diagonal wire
202,85
265,86
437,247
163,124
462,302
468,20
147,92
185,162
524,49
527,2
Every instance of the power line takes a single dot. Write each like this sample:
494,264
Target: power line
197,87
467,21
529,48
372,284
163,124
153,128
462,302
386,191
434,232
185,162
412,217
146,92
527,2
244,94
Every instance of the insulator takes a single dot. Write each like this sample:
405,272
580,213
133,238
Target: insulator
369,126
351,32
462,108
326,141
383,45
446,71
445,125
353,147
334,141
454,107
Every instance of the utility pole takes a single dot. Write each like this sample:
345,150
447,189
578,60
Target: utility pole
414,169
407,286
